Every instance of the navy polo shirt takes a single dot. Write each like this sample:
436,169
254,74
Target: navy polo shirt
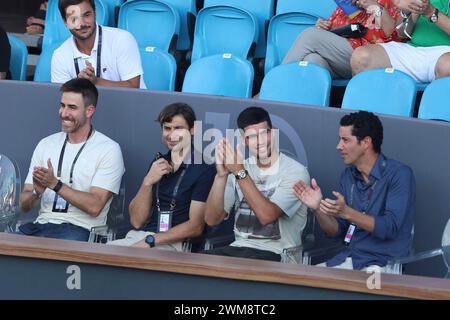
195,185
389,196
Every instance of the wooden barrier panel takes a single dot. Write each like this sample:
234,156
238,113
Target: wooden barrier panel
32,267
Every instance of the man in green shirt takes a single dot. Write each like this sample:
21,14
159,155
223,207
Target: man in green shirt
426,56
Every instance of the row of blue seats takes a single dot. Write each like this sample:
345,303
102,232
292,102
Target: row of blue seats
385,91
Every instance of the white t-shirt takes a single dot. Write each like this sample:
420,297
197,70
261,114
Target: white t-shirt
100,164
275,183
120,58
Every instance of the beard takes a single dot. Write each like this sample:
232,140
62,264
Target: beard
82,36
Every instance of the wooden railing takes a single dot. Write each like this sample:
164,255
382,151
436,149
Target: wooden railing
221,267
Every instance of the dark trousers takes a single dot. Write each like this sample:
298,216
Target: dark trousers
244,252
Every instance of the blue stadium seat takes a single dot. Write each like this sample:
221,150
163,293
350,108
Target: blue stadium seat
283,30
18,61
435,101
160,69
262,10
320,8
297,82
187,12
386,91
111,6
223,75
224,29
421,86
152,23
42,73
56,32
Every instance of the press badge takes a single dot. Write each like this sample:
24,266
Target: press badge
59,204
164,221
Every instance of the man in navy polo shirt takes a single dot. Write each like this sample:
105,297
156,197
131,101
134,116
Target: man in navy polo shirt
170,204
374,211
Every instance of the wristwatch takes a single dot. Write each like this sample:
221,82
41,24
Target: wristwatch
150,240
242,174
58,186
38,195
379,11
435,16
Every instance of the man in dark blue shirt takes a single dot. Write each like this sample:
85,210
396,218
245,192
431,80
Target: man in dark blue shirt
374,211
170,204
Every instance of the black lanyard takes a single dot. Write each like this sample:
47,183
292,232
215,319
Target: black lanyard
61,156
174,194
99,55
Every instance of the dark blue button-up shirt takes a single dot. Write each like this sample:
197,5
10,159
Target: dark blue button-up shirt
389,196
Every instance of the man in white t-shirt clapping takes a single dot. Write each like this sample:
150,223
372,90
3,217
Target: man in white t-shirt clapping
268,216
106,56
74,173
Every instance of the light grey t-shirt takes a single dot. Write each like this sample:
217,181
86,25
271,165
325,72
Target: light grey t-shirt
275,183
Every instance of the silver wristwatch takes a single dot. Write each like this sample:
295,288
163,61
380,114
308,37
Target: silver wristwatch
242,174
435,16
379,11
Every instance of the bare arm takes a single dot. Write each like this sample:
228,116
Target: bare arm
266,211
141,204
131,83
91,202
28,200
89,73
214,208
189,229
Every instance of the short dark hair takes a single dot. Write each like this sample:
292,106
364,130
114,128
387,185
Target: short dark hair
175,109
251,116
83,86
365,124
63,4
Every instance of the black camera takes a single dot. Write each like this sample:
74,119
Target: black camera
353,30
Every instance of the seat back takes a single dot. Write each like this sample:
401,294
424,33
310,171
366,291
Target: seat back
386,91
115,219
112,6
18,61
187,11
320,8
283,30
152,23
56,32
42,73
10,188
224,75
262,10
160,69
434,103
297,82
224,29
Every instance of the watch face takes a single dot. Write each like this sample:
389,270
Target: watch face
242,174
434,18
150,240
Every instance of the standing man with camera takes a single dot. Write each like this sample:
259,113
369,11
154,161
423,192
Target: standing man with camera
376,21
169,207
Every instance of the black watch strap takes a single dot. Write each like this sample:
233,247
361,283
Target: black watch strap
58,186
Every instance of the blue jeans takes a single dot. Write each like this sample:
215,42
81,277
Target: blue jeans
65,231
